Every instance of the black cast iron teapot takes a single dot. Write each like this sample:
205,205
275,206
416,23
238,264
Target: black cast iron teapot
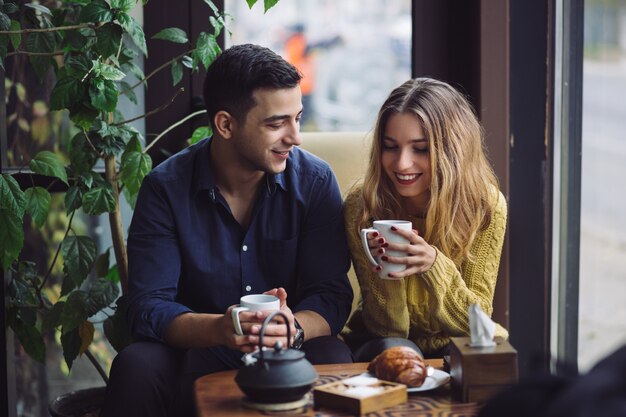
279,375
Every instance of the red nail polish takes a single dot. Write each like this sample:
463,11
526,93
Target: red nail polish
379,268
374,234
385,245
385,258
381,251
394,228
381,240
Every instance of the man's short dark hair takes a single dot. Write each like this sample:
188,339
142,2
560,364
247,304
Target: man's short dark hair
239,71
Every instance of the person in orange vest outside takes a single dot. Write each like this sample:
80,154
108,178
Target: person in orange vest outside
299,53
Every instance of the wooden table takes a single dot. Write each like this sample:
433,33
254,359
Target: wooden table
218,395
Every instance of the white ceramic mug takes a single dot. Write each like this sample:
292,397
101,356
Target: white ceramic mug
253,302
383,227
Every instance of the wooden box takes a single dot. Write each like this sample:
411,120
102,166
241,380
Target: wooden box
478,373
339,396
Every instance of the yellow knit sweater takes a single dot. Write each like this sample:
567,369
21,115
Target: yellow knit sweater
426,308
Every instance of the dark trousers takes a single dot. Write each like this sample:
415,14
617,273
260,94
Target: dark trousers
156,380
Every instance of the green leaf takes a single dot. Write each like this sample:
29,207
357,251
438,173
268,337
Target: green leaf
173,34
52,317
199,134
83,115
134,144
80,40
5,22
16,38
41,42
135,70
48,163
96,11
135,166
217,24
68,284
116,327
10,8
11,237
85,331
79,253
128,92
111,144
177,72
66,92
109,39
75,311
102,264
106,71
113,275
99,200
31,340
12,197
82,154
103,94
38,204
214,7
123,5
268,4
73,199
101,294
207,49
3,53
28,272
187,61
251,3
40,8
71,346
20,292
77,66
135,31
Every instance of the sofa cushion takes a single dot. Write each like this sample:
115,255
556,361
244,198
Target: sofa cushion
347,155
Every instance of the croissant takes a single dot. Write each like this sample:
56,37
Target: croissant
399,364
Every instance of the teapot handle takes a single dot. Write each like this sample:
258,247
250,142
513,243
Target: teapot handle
267,320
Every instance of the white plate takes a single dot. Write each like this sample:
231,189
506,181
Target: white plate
437,379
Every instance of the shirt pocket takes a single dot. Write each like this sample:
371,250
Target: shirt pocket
279,258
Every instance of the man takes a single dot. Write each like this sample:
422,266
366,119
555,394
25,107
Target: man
243,212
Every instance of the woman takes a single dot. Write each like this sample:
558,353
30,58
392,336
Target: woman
427,165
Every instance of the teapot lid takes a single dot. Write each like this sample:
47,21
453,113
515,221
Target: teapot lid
278,354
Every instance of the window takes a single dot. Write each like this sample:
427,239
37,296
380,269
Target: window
352,53
602,310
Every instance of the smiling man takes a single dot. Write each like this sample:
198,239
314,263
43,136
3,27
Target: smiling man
243,212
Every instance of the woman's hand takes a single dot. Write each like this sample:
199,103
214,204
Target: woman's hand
420,255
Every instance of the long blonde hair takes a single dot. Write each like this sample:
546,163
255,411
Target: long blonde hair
462,192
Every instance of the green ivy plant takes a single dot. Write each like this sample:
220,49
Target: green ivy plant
83,42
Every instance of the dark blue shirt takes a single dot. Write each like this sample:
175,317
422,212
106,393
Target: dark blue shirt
188,253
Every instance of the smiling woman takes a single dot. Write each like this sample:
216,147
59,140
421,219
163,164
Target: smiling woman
427,166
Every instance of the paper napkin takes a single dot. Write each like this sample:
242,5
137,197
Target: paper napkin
482,328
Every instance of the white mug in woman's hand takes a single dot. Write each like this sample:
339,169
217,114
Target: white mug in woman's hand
253,302
383,227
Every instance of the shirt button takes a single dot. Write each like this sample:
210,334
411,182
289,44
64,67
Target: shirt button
244,248
248,288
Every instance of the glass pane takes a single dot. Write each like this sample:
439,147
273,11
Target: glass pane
352,53
602,327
